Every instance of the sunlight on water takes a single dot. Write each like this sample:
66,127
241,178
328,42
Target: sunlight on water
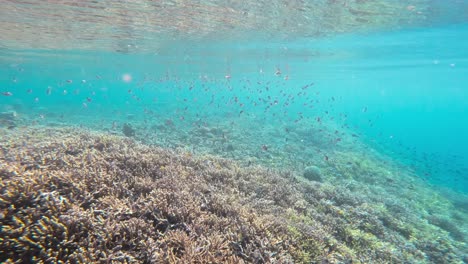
130,26
234,131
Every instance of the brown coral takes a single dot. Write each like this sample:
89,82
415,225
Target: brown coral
85,198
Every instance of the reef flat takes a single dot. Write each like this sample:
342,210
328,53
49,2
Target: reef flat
74,195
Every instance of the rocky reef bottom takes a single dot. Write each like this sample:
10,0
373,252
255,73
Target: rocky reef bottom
70,195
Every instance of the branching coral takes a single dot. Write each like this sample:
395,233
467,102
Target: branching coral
84,198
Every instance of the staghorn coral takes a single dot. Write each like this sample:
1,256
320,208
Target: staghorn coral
77,196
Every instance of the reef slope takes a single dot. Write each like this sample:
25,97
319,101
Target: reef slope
87,197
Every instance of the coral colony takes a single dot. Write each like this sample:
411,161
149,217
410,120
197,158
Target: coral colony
71,195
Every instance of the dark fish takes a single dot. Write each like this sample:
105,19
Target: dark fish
307,86
7,94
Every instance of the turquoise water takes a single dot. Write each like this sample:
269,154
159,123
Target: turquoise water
354,111
400,92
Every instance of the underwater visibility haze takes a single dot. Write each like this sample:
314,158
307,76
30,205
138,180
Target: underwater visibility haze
209,131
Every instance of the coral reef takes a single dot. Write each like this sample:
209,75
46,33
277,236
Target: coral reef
313,173
69,195
8,119
128,130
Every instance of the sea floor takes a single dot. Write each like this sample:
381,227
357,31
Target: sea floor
76,194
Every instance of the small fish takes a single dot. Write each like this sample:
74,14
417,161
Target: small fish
364,109
228,76
264,147
326,158
29,91
89,99
7,94
69,81
49,90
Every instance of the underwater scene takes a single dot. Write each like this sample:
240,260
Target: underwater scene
177,131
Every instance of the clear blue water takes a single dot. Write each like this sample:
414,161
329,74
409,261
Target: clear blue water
403,92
